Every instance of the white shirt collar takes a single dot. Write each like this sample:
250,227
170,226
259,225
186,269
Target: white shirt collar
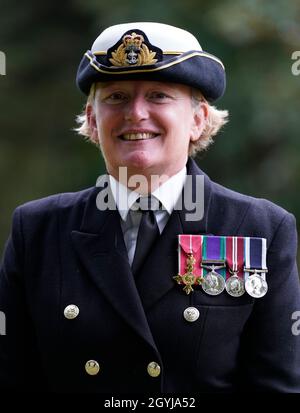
167,193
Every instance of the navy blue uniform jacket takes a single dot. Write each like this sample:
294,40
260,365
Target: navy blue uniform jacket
63,250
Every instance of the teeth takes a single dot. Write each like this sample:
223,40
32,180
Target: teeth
138,136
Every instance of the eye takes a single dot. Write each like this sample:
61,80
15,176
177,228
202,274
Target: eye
159,96
115,98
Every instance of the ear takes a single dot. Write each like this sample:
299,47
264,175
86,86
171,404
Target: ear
91,120
199,120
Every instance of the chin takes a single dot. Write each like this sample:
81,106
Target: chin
140,161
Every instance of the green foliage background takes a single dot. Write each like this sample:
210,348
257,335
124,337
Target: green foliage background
258,151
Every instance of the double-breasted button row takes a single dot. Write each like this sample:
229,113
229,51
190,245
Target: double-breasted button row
190,314
92,368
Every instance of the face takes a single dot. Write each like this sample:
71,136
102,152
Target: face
145,126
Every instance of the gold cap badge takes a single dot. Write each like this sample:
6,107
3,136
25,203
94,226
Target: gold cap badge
132,52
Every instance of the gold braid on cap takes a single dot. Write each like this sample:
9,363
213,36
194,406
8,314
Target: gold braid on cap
132,52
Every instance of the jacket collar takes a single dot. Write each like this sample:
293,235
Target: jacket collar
197,188
155,277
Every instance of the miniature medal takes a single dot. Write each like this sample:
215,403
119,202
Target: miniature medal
235,286
235,259
213,283
213,259
256,269
256,285
188,278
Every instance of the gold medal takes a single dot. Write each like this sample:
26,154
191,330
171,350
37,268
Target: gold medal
188,278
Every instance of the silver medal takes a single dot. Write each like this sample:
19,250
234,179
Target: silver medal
235,286
213,283
256,285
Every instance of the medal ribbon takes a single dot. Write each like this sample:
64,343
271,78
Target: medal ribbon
190,244
214,248
235,255
256,253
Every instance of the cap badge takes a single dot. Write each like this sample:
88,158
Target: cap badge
132,52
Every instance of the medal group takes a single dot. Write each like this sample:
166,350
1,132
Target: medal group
218,263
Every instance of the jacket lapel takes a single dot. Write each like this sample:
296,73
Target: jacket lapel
101,250
155,277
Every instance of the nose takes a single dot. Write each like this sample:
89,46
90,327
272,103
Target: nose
136,110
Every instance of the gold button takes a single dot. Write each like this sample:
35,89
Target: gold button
92,367
191,314
71,311
153,369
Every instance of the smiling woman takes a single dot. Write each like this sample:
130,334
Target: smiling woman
140,296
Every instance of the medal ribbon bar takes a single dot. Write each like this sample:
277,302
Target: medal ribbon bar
214,253
235,255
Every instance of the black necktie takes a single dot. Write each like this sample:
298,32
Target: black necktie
148,232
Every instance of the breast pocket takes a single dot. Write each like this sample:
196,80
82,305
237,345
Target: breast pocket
220,343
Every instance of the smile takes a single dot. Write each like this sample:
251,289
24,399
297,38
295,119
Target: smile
137,136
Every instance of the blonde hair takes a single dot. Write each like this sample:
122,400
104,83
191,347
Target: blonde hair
215,120
83,129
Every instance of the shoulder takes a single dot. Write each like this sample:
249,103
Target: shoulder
46,210
238,200
257,216
252,216
55,202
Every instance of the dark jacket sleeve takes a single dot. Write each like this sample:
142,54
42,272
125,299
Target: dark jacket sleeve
19,362
271,350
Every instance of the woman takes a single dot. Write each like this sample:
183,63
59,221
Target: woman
95,296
